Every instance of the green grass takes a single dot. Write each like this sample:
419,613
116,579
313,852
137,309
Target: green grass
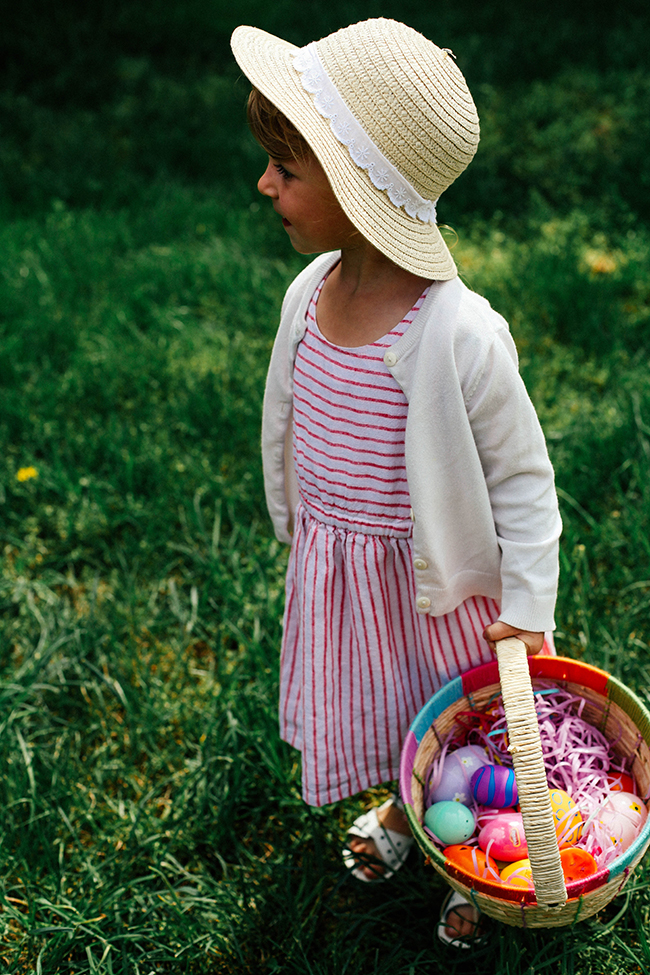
151,819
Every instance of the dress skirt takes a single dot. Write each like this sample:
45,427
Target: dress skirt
358,662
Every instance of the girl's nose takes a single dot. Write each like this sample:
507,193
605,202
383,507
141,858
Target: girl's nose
266,183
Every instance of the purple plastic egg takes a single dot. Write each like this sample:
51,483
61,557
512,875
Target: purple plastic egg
495,785
456,773
504,838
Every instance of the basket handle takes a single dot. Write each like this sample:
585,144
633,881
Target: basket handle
526,750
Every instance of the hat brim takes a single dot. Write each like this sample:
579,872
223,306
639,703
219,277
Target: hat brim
418,247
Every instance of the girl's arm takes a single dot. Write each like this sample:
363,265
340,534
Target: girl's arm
520,483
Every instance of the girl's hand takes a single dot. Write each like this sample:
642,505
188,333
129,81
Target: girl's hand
499,631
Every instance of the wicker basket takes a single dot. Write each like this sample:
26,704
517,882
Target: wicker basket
610,706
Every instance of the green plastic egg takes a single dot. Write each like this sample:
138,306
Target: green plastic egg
451,822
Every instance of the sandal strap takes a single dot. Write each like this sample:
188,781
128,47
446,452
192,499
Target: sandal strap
392,847
450,906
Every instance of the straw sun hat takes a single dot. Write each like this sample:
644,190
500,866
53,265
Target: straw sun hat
390,118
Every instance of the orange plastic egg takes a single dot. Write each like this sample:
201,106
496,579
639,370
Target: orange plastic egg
577,864
472,860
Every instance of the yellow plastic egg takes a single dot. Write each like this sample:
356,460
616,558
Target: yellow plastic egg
568,820
518,874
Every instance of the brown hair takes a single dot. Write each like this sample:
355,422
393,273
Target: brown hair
273,130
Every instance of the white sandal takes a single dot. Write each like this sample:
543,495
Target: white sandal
452,902
392,847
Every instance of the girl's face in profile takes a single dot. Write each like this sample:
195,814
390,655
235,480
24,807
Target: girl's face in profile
303,198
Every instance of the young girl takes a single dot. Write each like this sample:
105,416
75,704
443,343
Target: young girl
403,459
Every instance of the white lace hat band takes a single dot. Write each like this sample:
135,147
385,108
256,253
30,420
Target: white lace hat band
389,117
363,151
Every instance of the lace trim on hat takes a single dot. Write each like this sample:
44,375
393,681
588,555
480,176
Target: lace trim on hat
363,151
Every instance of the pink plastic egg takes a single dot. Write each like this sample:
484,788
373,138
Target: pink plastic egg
485,814
495,785
628,805
505,837
616,829
621,818
457,770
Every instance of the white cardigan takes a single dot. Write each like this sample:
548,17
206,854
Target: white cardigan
486,519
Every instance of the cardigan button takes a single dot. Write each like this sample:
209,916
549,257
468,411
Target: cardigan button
420,564
390,358
423,602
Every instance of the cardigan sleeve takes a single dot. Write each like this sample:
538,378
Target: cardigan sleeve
520,483
276,417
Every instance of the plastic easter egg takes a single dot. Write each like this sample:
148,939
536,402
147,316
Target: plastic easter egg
451,822
617,829
621,782
472,860
621,818
576,864
630,806
518,874
485,814
568,820
495,785
457,770
614,830
505,837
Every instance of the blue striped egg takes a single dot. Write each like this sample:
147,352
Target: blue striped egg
495,786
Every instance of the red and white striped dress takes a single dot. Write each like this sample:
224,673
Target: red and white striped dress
358,662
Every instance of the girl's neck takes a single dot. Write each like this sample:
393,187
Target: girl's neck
365,296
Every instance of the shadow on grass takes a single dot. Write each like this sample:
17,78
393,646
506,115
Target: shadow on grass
308,918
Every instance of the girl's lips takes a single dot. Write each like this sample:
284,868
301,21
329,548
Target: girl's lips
285,222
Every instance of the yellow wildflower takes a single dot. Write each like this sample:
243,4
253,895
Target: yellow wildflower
26,473
600,262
